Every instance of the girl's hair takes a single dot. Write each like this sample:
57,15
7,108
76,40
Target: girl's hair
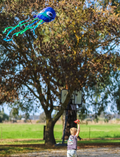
73,131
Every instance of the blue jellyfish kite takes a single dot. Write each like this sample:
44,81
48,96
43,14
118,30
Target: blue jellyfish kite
46,15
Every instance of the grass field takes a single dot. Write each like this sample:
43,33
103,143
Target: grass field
14,133
29,131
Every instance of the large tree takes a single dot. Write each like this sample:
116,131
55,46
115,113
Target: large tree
74,50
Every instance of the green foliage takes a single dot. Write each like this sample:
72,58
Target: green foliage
106,120
115,3
96,120
42,117
13,113
3,116
38,121
117,97
82,113
118,119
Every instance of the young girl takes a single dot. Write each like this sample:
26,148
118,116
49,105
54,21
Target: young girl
72,142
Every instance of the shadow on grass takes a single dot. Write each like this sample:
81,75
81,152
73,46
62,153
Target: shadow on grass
23,141
3,149
90,141
31,142
10,150
103,141
107,136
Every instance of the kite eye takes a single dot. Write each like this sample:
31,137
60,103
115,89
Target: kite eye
49,14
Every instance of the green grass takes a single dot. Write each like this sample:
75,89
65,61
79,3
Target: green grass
21,131
100,131
35,131
10,133
96,131
57,141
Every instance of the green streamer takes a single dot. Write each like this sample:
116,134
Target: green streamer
19,25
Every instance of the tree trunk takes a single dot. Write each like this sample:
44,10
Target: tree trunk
63,122
72,116
49,134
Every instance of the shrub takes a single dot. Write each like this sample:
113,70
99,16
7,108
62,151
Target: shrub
96,120
38,121
42,117
117,119
106,120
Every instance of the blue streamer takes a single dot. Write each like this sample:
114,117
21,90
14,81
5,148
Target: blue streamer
41,22
21,22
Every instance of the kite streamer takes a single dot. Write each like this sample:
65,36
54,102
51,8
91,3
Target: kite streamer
46,15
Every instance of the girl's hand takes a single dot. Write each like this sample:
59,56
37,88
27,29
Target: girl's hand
78,122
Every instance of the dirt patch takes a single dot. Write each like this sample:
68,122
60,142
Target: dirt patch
89,152
83,150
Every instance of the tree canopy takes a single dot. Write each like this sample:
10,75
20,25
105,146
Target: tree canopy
77,50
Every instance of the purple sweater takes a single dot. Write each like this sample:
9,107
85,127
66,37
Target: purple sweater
72,143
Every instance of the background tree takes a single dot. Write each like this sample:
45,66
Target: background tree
42,117
3,116
13,114
116,94
115,3
75,49
82,114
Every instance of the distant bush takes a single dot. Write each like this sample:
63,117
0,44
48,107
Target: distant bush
38,121
3,116
28,121
42,117
106,120
88,119
117,119
96,120
84,122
